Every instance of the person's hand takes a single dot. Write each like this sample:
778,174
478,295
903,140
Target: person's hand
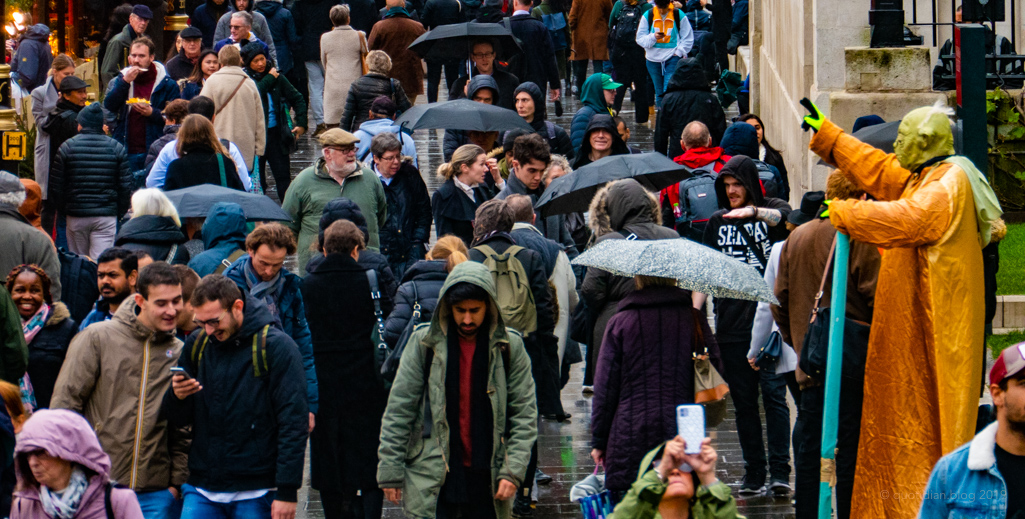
175,493
555,94
393,494
313,421
703,463
672,455
133,72
493,169
814,119
298,131
506,490
598,456
273,71
145,109
751,361
282,510
184,388
825,214
743,212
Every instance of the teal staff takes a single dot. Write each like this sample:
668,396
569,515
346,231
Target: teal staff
834,364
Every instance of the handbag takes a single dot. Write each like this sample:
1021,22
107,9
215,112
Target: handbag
363,51
816,339
770,352
377,333
391,364
710,389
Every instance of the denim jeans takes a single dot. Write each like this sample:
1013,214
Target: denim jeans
159,504
315,72
660,73
744,383
137,161
198,506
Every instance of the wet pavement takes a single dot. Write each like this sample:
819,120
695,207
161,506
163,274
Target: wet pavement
564,447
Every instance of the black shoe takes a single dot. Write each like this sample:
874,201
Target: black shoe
779,487
752,485
541,478
522,507
558,417
558,108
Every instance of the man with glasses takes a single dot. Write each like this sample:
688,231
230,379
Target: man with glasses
483,56
242,34
119,46
337,173
407,231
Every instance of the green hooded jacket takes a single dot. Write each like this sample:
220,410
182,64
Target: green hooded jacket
419,465
641,502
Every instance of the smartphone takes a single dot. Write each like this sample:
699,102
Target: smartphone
690,424
176,370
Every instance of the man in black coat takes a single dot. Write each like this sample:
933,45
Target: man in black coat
404,236
537,61
245,398
687,98
62,124
181,66
91,184
483,56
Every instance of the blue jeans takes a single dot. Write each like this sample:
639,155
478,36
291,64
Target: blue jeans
660,74
315,73
159,504
198,506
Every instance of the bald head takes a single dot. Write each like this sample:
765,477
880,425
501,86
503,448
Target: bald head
695,135
522,208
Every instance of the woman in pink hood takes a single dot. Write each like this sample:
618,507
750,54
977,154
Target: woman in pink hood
63,472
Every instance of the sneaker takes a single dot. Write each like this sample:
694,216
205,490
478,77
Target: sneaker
779,487
752,485
321,128
541,478
588,390
522,507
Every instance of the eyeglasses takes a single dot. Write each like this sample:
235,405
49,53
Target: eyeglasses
237,26
211,322
482,55
343,149
390,159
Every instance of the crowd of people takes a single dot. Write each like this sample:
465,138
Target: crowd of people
420,337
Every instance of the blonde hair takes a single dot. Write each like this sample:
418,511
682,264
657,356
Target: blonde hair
558,161
379,62
464,155
642,282
449,248
154,202
229,56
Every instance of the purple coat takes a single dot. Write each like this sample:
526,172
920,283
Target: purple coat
645,369
66,435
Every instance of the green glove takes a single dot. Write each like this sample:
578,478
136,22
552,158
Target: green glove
825,214
815,119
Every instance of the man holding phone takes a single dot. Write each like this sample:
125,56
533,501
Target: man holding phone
666,36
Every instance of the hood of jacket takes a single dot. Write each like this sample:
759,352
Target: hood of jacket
689,75
740,139
267,8
62,434
150,229
591,94
226,223
481,81
128,316
602,121
172,129
743,169
38,32
477,274
373,127
32,207
425,270
540,112
58,314
628,203
342,208
697,157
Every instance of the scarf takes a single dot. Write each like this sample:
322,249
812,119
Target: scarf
482,422
64,504
35,323
267,291
396,11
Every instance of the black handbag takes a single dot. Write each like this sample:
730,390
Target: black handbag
816,339
770,352
381,349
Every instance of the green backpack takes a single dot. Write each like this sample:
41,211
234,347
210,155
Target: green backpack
515,299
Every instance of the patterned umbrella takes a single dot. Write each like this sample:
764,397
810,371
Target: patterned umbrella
693,265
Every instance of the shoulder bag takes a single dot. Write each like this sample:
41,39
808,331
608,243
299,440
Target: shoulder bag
363,51
232,96
377,333
709,387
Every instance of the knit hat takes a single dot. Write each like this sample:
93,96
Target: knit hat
91,116
383,105
250,51
10,183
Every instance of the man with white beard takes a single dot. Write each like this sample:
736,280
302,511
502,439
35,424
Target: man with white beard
318,184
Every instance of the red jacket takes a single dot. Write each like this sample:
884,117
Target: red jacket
693,158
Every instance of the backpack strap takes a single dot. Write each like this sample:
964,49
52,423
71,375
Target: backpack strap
226,262
220,168
197,352
513,250
172,253
108,506
260,365
486,250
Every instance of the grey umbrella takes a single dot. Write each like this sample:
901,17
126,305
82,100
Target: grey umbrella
196,201
694,266
462,114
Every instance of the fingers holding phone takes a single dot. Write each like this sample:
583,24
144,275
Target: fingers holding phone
183,384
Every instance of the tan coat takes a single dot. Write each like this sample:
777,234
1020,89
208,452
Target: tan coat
393,36
589,24
340,54
116,375
241,121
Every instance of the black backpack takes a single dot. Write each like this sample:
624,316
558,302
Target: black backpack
623,34
78,283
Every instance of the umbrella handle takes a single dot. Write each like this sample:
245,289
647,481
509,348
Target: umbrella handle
834,365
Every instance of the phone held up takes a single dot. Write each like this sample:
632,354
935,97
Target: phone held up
690,424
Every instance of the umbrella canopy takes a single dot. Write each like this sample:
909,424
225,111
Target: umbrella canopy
455,41
694,266
881,136
462,114
196,201
573,193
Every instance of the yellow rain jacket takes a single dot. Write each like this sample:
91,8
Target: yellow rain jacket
924,363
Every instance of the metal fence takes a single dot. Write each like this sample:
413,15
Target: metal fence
929,16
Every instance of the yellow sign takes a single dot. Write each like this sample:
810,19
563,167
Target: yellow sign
14,146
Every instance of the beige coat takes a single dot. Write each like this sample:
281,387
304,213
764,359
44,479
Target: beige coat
241,121
341,52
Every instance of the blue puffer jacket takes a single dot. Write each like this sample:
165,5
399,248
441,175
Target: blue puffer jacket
292,316
32,60
224,232
165,90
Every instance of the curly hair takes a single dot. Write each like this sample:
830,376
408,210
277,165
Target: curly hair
35,269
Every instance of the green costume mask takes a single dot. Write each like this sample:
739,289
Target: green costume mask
924,133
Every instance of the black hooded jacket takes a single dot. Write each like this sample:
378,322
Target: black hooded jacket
728,235
407,230
157,236
506,84
742,139
603,122
248,432
687,99
558,139
456,138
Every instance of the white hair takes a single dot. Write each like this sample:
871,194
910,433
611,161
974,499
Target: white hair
14,198
154,202
940,107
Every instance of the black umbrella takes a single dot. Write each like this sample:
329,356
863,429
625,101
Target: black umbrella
573,193
455,40
882,135
462,114
196,201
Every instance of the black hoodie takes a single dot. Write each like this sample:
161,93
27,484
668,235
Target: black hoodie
734,317
558,139
600,122
687,99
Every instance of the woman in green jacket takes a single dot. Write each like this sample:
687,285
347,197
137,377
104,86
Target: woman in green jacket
664,491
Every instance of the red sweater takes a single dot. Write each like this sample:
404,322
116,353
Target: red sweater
466,350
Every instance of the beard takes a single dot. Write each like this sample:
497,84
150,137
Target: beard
345,170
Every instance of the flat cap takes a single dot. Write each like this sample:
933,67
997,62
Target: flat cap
190,33
337,137
143,12
72,83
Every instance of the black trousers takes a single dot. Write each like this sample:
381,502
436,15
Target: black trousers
580,71
434,68
481,502
633,71
276,155
297,77
368,505
808,446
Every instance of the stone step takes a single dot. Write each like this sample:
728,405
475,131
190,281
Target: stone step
1010,314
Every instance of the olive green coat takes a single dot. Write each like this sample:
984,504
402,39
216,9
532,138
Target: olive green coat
419,465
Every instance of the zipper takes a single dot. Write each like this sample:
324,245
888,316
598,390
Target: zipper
139,414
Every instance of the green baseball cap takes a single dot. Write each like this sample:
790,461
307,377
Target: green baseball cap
608,84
